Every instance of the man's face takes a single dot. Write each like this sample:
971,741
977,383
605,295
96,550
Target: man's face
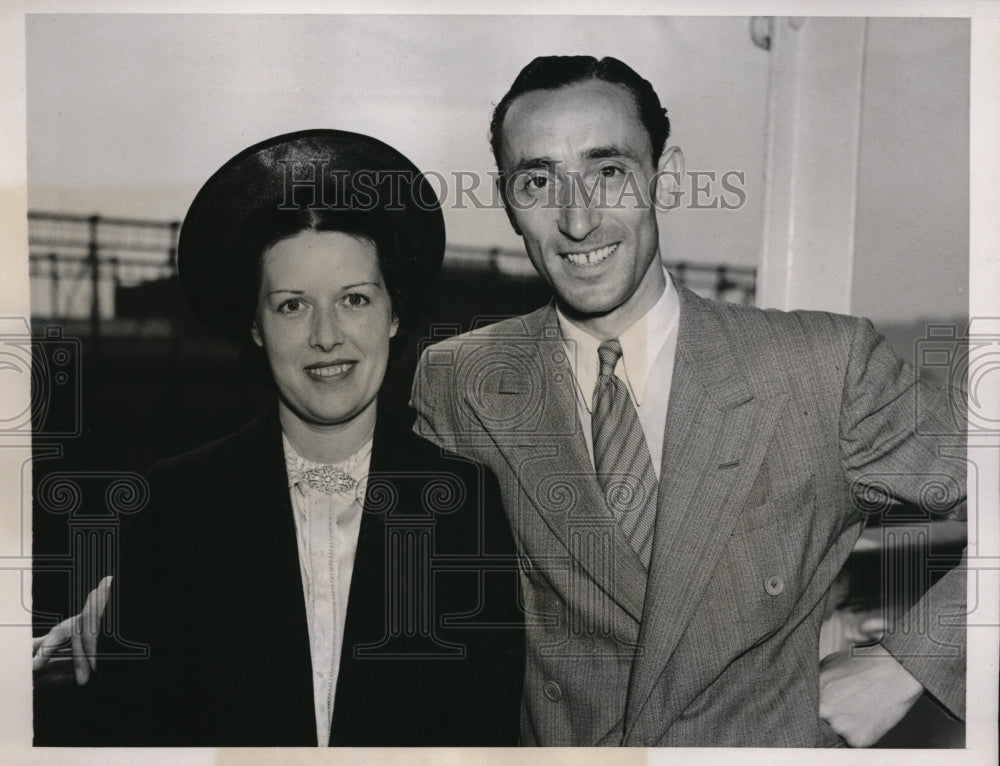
578,166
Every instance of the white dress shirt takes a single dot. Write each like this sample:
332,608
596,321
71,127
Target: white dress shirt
326,530
646,367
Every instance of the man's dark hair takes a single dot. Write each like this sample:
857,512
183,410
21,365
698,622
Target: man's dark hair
554,72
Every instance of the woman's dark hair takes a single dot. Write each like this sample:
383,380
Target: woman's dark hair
391,247
554,72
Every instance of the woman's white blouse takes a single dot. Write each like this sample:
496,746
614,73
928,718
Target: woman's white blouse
327,521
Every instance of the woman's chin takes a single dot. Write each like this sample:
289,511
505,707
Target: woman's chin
332,415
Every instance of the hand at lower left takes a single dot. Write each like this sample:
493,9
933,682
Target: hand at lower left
863,696
75,637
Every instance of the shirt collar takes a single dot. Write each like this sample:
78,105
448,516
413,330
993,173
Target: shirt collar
641,344
356,466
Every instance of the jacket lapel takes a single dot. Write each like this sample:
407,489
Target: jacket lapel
717,430
264,552
362,683
544,446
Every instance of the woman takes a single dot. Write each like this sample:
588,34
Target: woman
320,576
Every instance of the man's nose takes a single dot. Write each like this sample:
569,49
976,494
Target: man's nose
577,219
325,331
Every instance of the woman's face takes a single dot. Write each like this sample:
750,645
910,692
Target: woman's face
324,319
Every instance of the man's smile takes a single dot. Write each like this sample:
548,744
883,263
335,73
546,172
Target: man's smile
591,257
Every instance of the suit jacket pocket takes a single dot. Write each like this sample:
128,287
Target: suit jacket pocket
764,571
787,503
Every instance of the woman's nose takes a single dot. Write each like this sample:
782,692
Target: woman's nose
325,331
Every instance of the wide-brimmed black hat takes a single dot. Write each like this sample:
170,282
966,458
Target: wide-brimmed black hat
320,170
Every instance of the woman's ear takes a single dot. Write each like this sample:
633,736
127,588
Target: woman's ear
255,334
394,326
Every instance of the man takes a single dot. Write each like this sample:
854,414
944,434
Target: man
681,475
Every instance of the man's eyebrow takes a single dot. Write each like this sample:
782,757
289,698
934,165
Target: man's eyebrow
609,152
535,163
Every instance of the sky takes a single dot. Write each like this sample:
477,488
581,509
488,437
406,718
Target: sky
128,115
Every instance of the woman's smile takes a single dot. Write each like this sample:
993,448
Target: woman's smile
330,370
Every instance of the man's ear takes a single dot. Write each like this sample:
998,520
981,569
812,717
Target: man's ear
669,178
255,334
501,182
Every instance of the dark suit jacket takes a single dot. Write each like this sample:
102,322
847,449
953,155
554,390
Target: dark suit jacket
783,431
210,581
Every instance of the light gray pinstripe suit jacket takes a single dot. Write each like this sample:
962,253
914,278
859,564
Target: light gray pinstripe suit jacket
777,423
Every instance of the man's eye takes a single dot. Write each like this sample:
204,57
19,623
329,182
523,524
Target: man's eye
533,182
611,172
291,306
355,300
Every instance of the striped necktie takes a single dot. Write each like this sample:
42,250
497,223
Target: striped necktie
621,457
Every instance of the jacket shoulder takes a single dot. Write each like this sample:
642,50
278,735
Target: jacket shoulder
204,458
790,338
751,321
810,352
436,380
413,452
524,326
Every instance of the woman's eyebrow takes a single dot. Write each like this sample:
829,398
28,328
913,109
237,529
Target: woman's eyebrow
344,287
361,284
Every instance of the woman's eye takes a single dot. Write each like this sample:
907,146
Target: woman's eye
355,300
291,306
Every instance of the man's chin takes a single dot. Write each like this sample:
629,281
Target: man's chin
587,306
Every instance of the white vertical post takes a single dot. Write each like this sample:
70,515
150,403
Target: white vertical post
811,167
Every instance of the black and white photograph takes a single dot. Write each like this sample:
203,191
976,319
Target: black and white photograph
501,377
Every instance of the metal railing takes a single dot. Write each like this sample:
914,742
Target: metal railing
737,284
79,264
